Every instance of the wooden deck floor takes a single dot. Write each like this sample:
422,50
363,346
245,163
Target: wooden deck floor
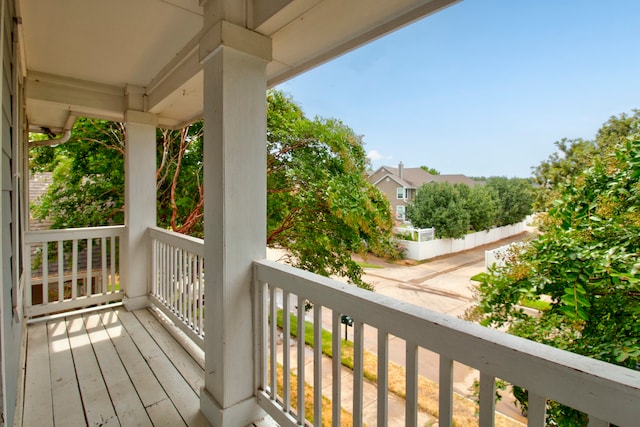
109,368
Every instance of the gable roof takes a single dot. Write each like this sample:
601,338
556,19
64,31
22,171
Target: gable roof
416,177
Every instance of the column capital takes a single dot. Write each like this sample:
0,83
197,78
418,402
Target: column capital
140,117
224,33
134,97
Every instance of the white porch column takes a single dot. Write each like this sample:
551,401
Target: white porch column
234,61
140,206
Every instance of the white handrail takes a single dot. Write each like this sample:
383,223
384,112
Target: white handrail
604,391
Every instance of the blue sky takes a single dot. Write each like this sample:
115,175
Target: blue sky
484,87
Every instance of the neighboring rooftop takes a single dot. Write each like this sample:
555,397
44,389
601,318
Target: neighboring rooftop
415,177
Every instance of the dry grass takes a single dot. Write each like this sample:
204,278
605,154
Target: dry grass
346,418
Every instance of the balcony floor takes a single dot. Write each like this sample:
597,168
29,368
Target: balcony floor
109,367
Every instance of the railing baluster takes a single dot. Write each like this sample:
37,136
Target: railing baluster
172,278
166,263
61,296
317,365
45,272
301,349
487,398
113,265
103,266
411,405
74,269
88,284
383,378
273,331
201,296
358,372
193,295
28,274
262,328
445,404
286,345
184,272
536,412
336,370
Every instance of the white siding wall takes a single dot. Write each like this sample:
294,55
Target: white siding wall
10,125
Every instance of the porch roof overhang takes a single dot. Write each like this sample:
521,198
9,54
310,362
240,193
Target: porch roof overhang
99,58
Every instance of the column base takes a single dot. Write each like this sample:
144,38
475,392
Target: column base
136,303
241,414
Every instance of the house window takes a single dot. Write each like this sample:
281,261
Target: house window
401,193
400,212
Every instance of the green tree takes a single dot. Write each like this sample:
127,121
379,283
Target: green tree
320,205
573,156
442,206
432,171
515,197
586,263
88,176
481,202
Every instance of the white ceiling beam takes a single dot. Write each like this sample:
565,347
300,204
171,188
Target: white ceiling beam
174,79
75,95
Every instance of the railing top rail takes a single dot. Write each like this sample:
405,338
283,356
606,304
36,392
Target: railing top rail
191,244
73,233
611,392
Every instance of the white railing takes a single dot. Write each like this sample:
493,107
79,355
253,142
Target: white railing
608,393
71,269
177,277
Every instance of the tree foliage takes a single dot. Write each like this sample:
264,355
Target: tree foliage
573,156
586,264
515,199
88,177
432,171
442,206
482,203
454,210
320,205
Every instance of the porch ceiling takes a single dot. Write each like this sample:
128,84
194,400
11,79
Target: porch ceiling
81,57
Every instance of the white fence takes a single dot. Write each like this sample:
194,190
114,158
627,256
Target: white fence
71,269
177,287
425,250
606,392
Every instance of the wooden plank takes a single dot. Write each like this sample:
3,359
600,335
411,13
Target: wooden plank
155,400
179,391
189,368
38,405
97,402
124,397
67,404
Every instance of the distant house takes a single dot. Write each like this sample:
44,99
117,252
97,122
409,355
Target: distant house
400,184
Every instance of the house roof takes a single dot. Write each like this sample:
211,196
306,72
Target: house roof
416,177
87,58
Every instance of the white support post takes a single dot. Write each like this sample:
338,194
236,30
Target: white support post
140,207
234,61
